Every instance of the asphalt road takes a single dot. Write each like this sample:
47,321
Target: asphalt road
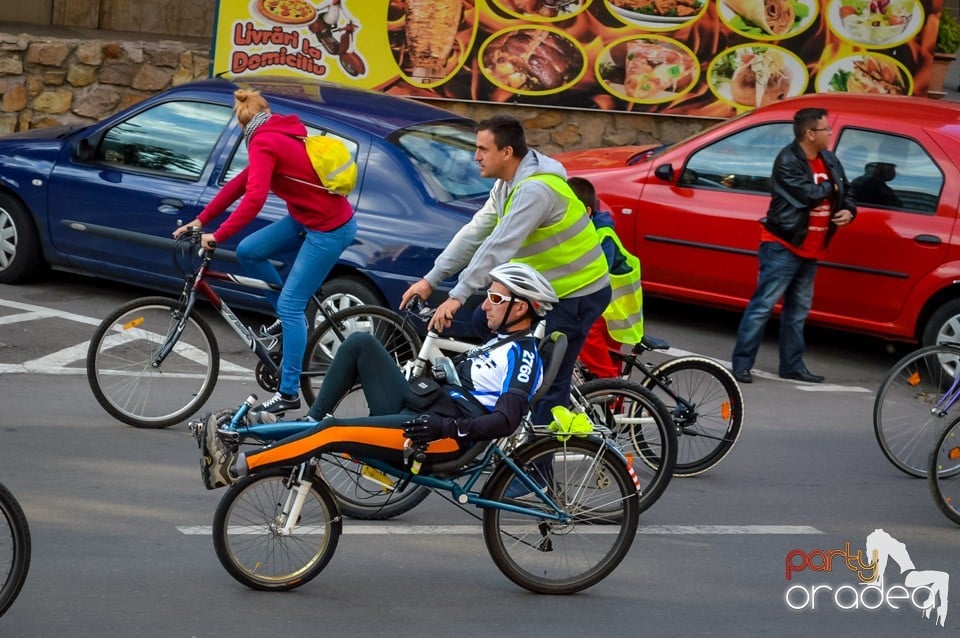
118,515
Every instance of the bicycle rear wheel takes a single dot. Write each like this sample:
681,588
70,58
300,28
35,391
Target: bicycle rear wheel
120,367
943,471
590,482
248,539
366,493
641,427
709,427
400,340
907,417
14,548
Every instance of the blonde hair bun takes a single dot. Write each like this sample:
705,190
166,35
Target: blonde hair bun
248,104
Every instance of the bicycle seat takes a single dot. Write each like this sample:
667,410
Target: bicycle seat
650,343
551,348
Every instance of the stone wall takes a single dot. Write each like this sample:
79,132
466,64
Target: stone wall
65,77
49,81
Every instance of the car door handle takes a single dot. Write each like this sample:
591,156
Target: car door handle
931,240
170,205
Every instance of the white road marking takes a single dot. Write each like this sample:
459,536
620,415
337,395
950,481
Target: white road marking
62,361
760,374
473,530
58,363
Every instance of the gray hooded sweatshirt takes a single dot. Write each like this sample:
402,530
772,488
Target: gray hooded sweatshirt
481,244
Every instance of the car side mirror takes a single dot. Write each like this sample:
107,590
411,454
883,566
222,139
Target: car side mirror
664,172
83,150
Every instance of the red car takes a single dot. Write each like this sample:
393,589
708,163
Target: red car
690,211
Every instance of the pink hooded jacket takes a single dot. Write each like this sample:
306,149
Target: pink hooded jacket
278,163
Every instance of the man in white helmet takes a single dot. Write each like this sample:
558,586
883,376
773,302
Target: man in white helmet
497,382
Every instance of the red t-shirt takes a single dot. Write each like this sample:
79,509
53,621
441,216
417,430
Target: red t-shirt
814,244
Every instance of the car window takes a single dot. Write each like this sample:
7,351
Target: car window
741,161
241,158
889,171
443,154
175,138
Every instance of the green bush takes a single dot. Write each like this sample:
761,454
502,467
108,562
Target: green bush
948,34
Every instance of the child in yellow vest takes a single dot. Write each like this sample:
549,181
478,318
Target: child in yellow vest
622,321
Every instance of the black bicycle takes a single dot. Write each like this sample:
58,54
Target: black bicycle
700,394
14,548
155,361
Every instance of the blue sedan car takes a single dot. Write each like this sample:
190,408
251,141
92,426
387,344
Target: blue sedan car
104,199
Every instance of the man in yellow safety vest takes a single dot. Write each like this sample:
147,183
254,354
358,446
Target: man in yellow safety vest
531,216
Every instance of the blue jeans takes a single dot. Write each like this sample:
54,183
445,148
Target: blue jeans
782,274
318,253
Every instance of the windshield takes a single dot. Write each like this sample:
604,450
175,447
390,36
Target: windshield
442,153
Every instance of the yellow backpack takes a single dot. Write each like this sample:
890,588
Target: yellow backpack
333,162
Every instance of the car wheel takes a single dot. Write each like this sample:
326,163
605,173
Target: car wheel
341,293
944,324
20,256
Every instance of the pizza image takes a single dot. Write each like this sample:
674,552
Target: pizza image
287,11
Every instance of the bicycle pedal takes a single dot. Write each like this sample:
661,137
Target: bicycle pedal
195,428
229,436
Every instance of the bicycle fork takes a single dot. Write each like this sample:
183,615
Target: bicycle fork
301,480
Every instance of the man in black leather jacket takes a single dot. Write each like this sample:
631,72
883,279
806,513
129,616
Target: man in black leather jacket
810,200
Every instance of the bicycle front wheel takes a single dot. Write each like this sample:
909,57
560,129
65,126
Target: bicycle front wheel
707,408
121,370
641,427
14,548
389,328
907,413
590,483
943,472
249,537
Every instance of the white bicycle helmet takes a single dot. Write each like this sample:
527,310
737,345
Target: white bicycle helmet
526,282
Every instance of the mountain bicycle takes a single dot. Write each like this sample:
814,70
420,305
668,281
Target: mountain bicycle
14,548
628,413
701,396
155,361
278,529
943,471
915,402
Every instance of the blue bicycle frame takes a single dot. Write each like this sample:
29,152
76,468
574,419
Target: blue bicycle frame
462,493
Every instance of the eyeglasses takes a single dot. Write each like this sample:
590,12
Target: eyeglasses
825,128
496,298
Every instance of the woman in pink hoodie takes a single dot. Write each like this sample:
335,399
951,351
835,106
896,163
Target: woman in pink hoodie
320,223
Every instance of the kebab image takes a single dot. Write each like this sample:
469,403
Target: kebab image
431,32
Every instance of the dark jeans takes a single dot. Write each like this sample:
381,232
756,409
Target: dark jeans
782,274
573,316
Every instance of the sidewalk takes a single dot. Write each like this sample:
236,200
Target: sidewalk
951,85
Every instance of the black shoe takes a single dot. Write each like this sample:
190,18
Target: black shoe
743,376
278,404
273,330
803,375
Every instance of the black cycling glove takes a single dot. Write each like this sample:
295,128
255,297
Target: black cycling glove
424,428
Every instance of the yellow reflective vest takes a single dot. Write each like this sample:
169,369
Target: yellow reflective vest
624,315
568,252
